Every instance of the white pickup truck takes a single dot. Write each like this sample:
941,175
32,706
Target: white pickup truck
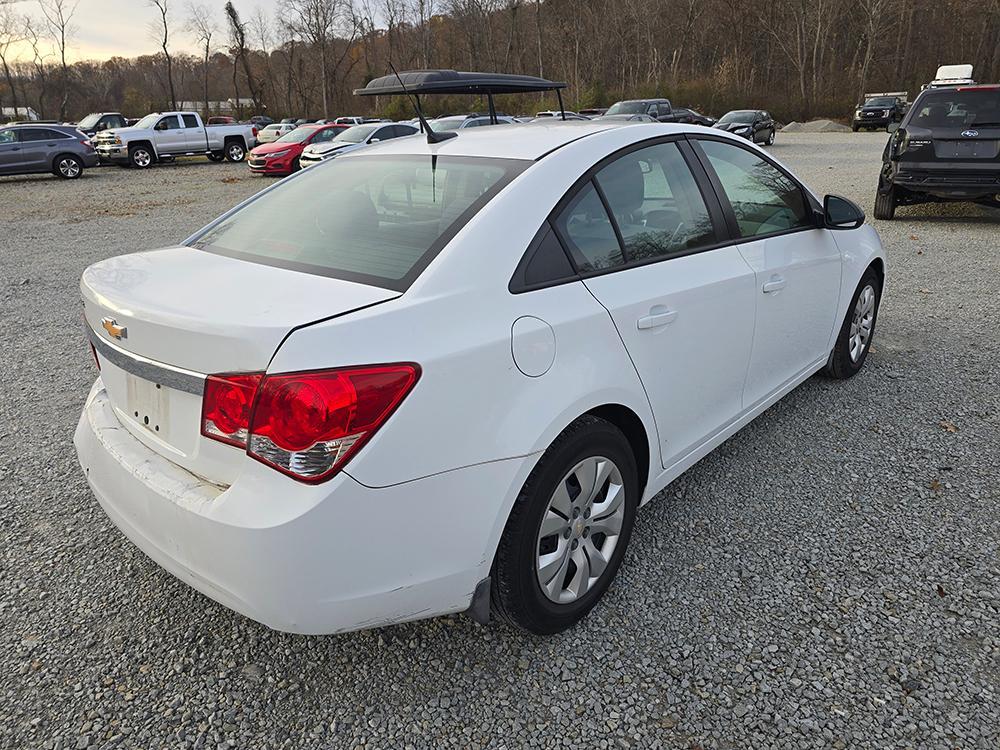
163,136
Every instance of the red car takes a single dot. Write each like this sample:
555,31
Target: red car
281,157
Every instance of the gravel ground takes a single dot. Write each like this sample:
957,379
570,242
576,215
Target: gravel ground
827,578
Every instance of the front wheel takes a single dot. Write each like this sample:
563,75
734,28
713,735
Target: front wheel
568,529
885,204
770,138
855,337
235,151
140,157
68,167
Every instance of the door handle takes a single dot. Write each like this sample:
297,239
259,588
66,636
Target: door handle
776,284
658,316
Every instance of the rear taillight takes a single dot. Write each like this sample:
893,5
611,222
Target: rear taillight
87,144
309,424
254,129
225,407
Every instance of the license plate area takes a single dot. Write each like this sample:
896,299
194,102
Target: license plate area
147,404
966,149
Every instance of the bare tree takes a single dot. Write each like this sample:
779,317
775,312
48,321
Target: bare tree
11,32
202,26
34,38
161,32
241,54
319,22
58,16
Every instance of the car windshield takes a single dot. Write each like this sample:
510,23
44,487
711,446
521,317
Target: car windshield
957,108
737,116
147,122
89,121
357,134
628,108
374,219
297,136
880,101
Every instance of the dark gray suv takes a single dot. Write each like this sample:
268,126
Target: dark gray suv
34,149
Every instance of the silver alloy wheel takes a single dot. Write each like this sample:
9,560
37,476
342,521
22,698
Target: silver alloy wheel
69,167
142,158
861,324
580,529
236,152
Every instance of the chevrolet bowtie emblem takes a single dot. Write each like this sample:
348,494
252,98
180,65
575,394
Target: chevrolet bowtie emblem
114,330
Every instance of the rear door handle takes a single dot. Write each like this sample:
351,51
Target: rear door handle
658,316
776,284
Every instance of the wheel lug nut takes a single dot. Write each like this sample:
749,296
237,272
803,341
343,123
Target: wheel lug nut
576,512
586,513
576,543
567,533
586,532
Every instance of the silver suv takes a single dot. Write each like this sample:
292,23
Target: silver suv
35,149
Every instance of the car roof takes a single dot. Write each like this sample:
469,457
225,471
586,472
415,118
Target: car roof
519,142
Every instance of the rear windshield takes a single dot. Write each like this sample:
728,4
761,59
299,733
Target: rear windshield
374,219
947,108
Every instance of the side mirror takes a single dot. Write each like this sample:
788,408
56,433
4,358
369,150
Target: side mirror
374,140
840,213
892,127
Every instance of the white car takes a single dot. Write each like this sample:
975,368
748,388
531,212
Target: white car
432,378
274,131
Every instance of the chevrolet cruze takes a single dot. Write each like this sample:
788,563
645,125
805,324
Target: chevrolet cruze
428,378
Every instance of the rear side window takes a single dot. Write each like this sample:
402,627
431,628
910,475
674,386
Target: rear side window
656,203
375,219
40,134
764,199
587,232
954,108
190,121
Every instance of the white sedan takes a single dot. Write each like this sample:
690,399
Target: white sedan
432,378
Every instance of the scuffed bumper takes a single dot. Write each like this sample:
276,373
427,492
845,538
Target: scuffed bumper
304,559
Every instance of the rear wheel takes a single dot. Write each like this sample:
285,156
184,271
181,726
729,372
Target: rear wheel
855,337
770,138
568,529
67,166
140,157
885,203
235,151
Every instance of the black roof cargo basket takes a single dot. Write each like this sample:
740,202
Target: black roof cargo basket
417,82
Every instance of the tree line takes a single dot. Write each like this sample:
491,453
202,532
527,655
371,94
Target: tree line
796,58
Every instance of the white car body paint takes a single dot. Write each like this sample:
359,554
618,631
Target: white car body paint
496,388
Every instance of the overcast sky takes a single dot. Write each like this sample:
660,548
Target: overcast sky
104,28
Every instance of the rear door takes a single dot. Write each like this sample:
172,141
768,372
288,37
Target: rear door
646,239
38,145
195,136
10,151
171,137
797,264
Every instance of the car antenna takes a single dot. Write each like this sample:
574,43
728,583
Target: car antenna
432,137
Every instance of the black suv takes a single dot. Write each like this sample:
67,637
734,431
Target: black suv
658,109
946,149
878,111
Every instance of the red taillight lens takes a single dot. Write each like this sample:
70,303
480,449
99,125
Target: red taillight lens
225,408
309,424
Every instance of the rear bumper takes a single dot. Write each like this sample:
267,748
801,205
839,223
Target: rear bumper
948,181
90,159
303,559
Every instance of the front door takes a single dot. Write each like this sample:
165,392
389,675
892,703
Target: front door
171,137
10,151
683,309
797,266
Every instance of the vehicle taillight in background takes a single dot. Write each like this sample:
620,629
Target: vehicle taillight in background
309,424
225,407
254,131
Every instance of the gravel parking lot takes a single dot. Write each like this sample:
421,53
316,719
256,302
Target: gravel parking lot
828,578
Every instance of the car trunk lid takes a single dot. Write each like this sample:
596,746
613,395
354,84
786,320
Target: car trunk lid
163,320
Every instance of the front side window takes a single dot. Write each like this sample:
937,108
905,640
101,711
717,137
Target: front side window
764,199
327,134
374,219
656,203
168,123
8,136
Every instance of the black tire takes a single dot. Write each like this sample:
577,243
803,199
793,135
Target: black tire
885,204
516,593
235,151
140,157
854,128
770,138
217,156
841,364
67,166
